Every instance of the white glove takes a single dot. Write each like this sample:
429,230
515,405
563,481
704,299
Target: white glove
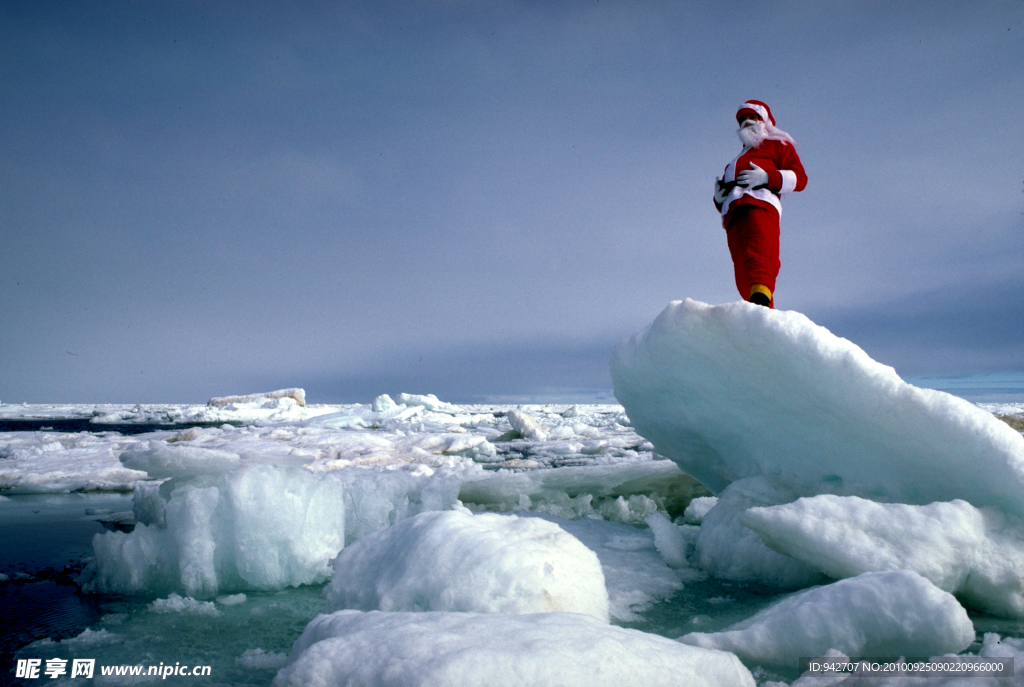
720,192
754,178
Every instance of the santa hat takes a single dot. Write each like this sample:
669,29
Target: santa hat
765,113
758,108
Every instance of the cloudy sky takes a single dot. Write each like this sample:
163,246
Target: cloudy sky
479,199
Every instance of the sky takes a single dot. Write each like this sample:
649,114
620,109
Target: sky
479,199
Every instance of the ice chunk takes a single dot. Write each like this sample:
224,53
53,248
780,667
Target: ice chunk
48,462
698,508
186,605
456,561
737,390
428,401
573,492
262,660
232,599
496,650
897,613
162,460
382,404
672,541
729,550
973,553
635,574
525,425
378,497
297,395
258,527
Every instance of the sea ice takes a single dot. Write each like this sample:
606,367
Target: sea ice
50,462
730,551
187,605
525,425
635,573
257,527
736,390
377,497
625,492
674,542
698,508
428,401
976,554
897,613
297,395
455,561
418,649
161,460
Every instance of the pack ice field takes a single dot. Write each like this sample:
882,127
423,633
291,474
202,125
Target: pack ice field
736,513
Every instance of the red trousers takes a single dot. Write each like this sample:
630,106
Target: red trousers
754,244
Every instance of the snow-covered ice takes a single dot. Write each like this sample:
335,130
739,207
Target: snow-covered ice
456,561
736,390
897,613
418,649
977,554
255,527
765,407
730,550
452,527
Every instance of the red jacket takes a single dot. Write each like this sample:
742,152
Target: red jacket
785,174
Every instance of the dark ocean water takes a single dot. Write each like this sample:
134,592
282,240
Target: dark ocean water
74,425
46,540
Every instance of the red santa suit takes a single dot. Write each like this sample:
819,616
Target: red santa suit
751,215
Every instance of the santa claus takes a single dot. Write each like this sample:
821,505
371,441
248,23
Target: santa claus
749,197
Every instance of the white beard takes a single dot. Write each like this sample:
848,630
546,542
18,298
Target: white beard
752,135
757,133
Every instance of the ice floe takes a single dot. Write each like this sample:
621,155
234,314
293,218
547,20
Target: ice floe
978,554
256,527
736,390
456,561
826,467
896,613
418,649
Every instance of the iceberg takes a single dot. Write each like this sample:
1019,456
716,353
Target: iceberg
737,390
496,650
826,464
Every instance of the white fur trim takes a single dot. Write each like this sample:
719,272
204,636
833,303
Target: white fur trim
761,194
788,180
756,108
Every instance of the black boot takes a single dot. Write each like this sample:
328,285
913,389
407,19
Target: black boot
760,299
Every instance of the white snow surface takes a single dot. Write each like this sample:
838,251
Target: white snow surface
977,554
55,462
418,649
323,438
737,390
456,561
897,613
